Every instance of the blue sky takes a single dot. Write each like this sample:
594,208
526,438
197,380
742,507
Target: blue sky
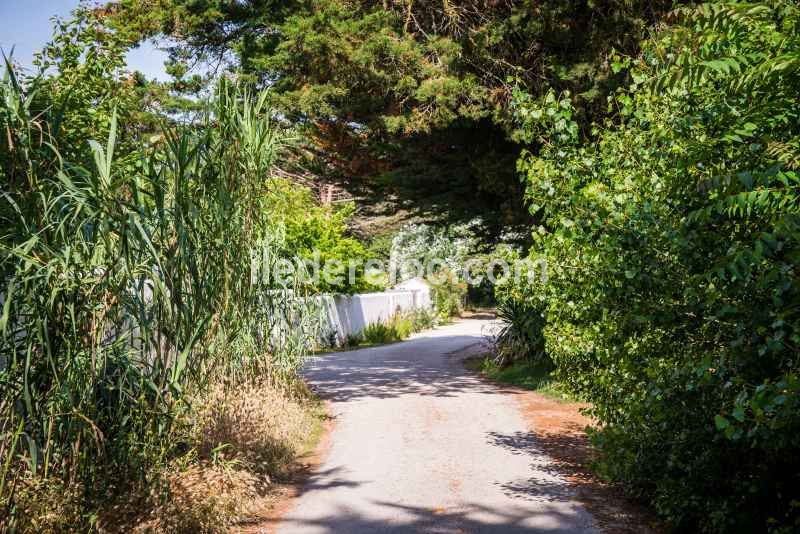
26,25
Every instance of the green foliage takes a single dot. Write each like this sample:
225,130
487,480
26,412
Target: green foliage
521,306
448,294
402,325
88,85
522,336
439,255
422,246
397,328
379,333
125,282
353,340
86,82
672,248
317,235
532,375
411,98
380,245
422,319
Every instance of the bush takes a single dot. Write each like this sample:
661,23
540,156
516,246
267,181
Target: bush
448,293
47,506
310,233
521,306
379,333
208,498
422,319
672,241
402,324
416,245
522,334
262,426
397,328
353,340
242,437
126,277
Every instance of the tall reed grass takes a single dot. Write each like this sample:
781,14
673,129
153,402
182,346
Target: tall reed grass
125,287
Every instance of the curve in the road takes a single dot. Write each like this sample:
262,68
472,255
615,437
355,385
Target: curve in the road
422,445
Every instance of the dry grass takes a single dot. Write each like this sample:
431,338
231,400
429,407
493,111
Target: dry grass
261,427
202,498
46,506
244,438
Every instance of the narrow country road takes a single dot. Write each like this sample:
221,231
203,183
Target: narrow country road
422,445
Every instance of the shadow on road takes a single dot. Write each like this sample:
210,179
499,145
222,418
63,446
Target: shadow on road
354,496
471,518
547,486
413,367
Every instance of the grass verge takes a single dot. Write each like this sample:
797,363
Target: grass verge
523,374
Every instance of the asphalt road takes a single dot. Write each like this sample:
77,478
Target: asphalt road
422,445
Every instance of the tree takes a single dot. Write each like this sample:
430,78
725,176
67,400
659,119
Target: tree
410,98
309,233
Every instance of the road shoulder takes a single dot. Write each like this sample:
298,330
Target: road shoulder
559,429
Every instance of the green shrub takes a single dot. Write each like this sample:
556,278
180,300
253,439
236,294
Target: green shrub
448,293
379,333
521,306
417,245
422,319
354,340
522,334
310,232
403,325
673,240
397,328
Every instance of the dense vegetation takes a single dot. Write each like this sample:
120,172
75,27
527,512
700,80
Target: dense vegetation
396,328
410,98
127,296
671,237
659,159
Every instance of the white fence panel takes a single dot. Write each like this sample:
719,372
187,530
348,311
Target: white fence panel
349,314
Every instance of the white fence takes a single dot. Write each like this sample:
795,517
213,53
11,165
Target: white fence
349,314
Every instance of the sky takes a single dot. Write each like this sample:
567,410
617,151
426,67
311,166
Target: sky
26,25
